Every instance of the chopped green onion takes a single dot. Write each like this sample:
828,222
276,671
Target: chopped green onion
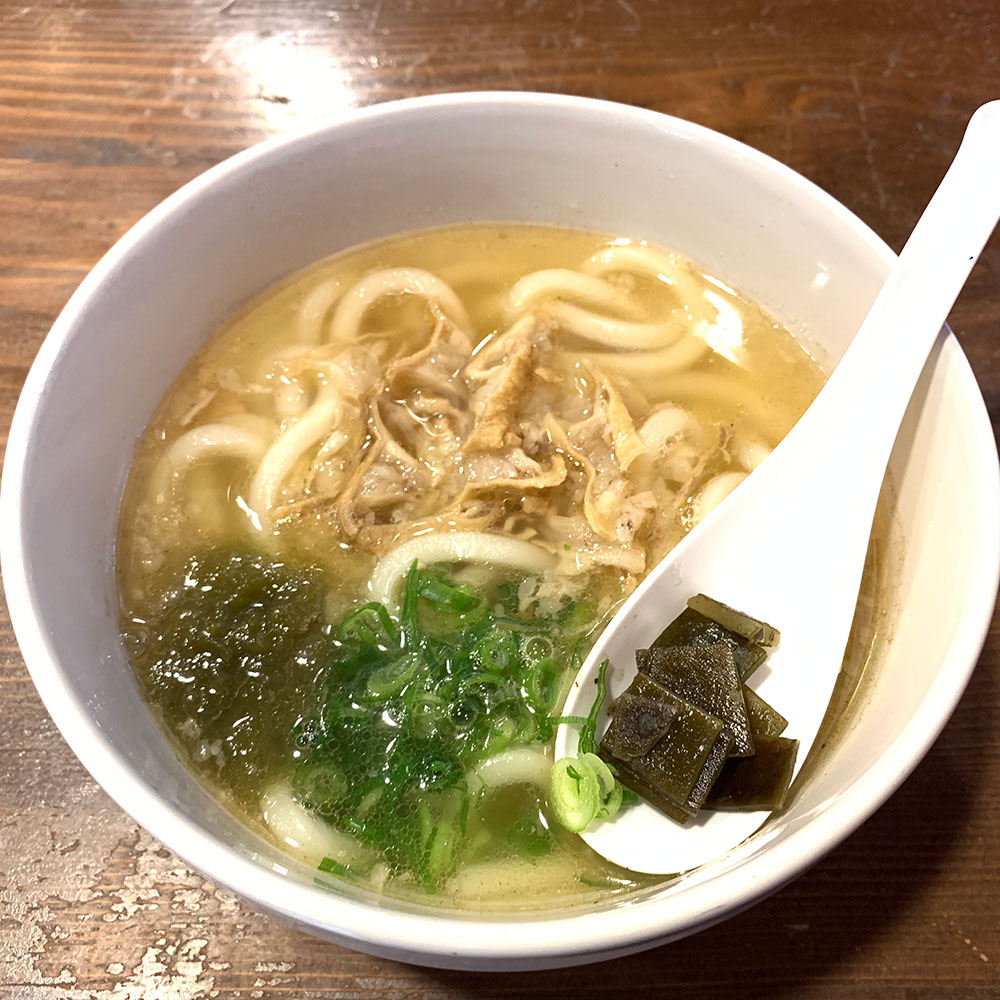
497,652
481,679
505,732
335,868
445,595
583,789
407,706
392,678
525,627
440,848
610,790
408,615
428,712
567,720
587,782
588,741
320,784
537,647
542,684
370,625
579,655
574,792
463,814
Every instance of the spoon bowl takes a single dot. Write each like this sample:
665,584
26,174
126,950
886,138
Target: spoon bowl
788,545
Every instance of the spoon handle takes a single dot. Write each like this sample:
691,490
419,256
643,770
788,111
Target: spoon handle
854,421
883,363
799,541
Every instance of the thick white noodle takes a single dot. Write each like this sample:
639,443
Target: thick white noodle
672,269
646,364
255,423
750,450
309,837
729,391
201,444
556,282
453,546
618,333
289,400
277,463
662,426
714,492
346,323
505,884
276,362
313,310
511,767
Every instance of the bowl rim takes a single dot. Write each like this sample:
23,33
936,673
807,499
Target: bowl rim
567,936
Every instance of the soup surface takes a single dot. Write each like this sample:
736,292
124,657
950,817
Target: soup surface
372,529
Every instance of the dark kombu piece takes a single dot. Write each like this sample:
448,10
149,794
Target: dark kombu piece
639,723
707,677
676,763
757,782
735,621
688,732
764,720
711,770
691,628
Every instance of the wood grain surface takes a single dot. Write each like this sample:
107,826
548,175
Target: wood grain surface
106,107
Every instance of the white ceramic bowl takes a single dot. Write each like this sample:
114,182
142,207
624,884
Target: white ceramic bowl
226,236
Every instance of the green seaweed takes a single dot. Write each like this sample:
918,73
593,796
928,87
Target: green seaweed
230,644
691,628
637,725
673,765
707,677
758,782
764,720
751,629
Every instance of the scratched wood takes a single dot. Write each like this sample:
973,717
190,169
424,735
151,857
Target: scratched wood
106,107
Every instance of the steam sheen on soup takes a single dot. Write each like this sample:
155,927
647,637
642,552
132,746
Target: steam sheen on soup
372,529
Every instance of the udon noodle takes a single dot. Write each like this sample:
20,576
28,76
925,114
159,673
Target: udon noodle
539,413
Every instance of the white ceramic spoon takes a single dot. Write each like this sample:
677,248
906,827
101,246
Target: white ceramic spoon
788,545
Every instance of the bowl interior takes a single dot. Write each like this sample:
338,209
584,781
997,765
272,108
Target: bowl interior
223,239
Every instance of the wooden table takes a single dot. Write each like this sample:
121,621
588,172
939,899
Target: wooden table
106,107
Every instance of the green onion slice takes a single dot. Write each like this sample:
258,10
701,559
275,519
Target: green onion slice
537,647
610,790
575,793
335,868
392,678
370,625
588,740
408,616
497,652
459,597
428,714
542,684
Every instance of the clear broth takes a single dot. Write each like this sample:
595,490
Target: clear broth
754,356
